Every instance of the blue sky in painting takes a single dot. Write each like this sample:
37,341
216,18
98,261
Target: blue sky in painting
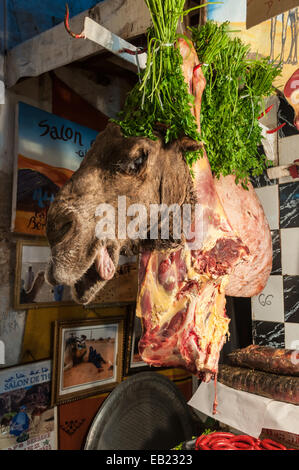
230,10
53,151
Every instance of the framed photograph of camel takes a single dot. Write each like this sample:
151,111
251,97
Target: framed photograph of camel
88,357
31,289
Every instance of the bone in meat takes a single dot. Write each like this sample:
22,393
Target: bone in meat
181,296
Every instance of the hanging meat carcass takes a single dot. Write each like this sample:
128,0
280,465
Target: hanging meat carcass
182,290
181,295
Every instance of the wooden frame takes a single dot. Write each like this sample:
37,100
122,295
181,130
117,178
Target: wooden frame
131,366
76,359
24,299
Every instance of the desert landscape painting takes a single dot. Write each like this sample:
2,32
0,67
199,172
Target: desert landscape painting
89,355
49,150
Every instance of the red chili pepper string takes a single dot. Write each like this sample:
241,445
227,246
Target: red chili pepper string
67,24
271,131
266,111
196,67
229,441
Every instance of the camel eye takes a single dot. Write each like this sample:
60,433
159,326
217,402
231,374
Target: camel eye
135,165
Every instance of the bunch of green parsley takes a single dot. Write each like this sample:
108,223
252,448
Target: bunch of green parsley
232,101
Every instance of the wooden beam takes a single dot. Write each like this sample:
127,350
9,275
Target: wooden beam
55,48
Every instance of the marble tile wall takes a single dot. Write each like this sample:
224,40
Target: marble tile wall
275,311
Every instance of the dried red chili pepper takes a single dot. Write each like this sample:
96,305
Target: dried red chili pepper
266,112
196,67
271,131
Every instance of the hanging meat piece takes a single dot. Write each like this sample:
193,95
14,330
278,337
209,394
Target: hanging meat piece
181,297
246,215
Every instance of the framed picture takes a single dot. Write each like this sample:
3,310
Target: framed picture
49,149
27,421
88,357
133,361
31,289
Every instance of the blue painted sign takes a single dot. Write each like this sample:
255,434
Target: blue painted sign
50,149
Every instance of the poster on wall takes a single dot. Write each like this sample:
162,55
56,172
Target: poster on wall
276,37
26,420
49,150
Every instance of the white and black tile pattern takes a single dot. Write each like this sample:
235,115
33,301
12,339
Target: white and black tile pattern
289,205
290,251
275,311
276,261
262,180
291,298
269,198
291,332
269,303
267,333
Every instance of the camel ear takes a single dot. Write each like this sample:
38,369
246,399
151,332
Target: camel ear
186,144
114,129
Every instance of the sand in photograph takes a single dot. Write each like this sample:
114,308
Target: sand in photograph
86,371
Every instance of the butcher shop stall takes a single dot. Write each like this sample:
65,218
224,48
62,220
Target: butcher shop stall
149,227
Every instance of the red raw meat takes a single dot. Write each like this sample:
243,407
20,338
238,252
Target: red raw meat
246,216
181,297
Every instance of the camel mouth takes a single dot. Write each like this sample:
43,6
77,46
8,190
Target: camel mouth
101,270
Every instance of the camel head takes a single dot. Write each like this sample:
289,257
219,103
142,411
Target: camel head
142,171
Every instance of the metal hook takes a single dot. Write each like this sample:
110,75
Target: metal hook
67,24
